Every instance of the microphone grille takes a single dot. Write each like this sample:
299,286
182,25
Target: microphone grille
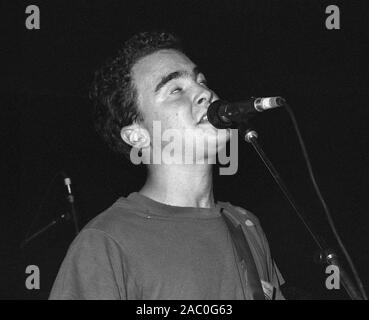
266,103
214,117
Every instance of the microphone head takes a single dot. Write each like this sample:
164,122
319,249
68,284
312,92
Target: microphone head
214,116
262,104
67,181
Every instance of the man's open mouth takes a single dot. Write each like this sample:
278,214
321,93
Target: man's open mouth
204,119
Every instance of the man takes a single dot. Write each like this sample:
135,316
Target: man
170,239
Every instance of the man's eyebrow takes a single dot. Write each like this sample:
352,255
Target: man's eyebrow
175,75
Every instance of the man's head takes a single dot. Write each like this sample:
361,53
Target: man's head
113,92
151,80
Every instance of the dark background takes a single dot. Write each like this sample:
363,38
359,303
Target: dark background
246,48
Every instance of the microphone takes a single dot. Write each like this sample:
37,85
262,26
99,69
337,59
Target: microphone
68,183
62,217
70,197
222,114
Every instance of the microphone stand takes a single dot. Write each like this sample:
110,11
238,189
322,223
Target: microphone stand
326,255
74,213
64,216
70,198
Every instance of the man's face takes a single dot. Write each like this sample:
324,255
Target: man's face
171,90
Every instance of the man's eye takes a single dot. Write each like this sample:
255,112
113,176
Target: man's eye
203,82
176,90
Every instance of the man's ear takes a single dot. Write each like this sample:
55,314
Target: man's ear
135,136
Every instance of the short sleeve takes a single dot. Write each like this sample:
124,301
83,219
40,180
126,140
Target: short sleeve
92,269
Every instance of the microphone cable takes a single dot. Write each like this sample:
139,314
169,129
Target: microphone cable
322,201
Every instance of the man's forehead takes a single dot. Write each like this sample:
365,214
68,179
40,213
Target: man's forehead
156,65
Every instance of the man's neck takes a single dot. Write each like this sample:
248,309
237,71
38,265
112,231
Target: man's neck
181,186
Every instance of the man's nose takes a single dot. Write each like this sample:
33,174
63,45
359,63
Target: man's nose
204,97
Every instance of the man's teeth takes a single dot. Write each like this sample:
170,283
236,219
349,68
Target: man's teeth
204,118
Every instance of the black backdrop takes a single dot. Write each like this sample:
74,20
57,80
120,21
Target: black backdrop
247,48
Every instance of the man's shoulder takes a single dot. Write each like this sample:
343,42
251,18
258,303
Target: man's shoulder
117,219
254,233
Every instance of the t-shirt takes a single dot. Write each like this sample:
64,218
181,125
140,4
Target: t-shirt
142,249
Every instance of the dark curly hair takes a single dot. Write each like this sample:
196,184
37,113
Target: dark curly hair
113,92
